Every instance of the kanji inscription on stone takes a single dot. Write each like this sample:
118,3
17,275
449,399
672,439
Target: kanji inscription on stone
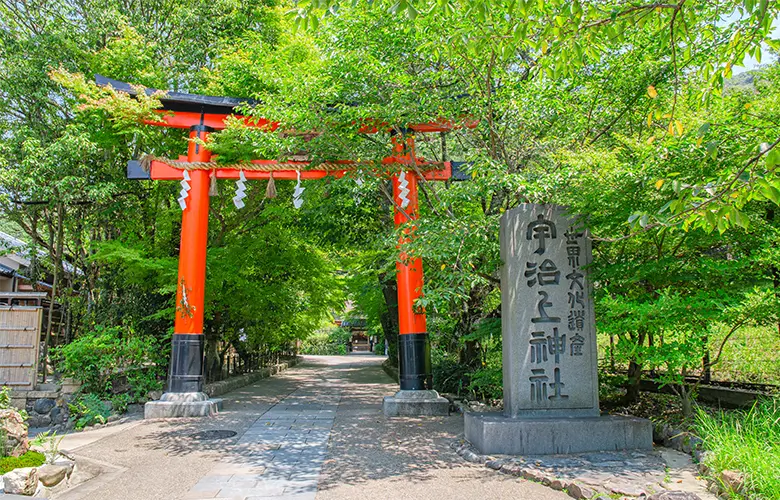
548,328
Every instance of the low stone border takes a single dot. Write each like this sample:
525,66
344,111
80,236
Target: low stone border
391,370
214,389
40,481
535,469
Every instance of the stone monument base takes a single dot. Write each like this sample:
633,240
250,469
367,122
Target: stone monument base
497,434
182,404
414,403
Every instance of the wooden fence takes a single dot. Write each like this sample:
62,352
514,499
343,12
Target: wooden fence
20,334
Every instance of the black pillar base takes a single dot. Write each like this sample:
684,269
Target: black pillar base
414,362
186,370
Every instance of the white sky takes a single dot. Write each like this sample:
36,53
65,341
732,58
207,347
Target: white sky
750,62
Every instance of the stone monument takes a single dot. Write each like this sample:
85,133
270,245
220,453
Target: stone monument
550,357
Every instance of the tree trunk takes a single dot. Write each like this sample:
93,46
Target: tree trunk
213,367
634,372
634,379
390,319
612,353
686,400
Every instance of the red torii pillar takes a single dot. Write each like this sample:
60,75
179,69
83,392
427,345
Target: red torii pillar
186,369
416,396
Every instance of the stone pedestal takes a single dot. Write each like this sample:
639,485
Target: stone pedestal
495,433
182,404
415,403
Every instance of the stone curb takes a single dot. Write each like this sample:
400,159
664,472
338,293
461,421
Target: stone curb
392,371
224,386
574,488
505,466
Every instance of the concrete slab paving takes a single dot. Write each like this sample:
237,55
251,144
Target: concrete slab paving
313,432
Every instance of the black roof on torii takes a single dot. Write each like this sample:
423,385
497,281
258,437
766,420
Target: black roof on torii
180,101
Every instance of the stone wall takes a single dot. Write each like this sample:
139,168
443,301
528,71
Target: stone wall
46,408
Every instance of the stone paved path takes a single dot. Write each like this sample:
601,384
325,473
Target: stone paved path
315,431
281,454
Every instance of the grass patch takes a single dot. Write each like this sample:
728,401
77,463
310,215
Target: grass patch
29,459
747,441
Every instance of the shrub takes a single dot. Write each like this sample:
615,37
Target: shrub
487,383
748,442
449,375
99,356
88,409
119,402
327,343
29,459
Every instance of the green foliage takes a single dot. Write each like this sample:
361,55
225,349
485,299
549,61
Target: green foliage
50,442
619,111
748,442
449,376
119,403
753,355
88,409
331,342
29,459
98,357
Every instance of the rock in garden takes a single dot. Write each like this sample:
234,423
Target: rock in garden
578,491
69,465
533,475
44,405
512,469
732,480
675,439
494,464
52,475
557,484
57,416
674,495
15,432
626,489
43,421
33,421
135,408
658,433
691,443
21,481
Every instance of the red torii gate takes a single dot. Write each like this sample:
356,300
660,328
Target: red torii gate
205,114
